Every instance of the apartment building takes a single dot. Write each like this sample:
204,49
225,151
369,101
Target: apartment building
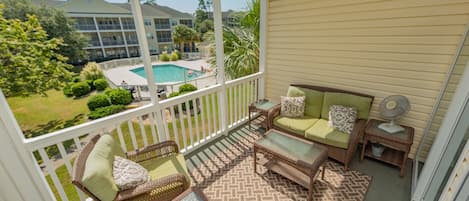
111,29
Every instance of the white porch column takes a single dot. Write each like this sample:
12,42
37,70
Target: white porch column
223,109
262,46
21,177
142,40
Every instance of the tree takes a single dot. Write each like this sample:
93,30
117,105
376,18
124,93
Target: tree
183,34
54,22
241,45
29,62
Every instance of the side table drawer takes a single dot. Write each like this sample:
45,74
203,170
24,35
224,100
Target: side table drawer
395,145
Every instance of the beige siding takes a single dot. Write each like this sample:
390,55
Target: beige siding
375,47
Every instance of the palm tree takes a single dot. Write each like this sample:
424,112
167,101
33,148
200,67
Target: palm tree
183,34
241,46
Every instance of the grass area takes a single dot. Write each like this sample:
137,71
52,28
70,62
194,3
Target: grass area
39,114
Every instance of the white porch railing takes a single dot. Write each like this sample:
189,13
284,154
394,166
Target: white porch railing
191,120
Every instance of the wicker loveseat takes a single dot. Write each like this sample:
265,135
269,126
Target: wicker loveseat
92,171
314,125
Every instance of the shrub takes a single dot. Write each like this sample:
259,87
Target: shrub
68,90
119,96
187,88
91,71
174,56
90,83
178,53
97,101
164,56
173,94
105,111
76,79
100,84
80,89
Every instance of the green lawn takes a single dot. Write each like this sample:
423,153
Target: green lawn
39,115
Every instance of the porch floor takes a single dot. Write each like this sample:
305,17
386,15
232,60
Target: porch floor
385,181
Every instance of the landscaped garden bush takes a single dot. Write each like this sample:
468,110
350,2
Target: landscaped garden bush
68,90
173,94
100,84
80,89
106,111
178,53
174,56
164,56
97,101
119,96
90,83
76,79
187,88
91,72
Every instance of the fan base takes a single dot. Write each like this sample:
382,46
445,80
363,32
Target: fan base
391,128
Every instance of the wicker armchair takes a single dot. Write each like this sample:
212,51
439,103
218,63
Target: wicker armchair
164,188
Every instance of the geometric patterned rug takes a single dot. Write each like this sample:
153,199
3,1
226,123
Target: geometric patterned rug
226,173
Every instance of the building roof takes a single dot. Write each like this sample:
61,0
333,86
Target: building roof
147,10
171,11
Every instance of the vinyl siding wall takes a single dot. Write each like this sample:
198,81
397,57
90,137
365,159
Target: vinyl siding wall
376,47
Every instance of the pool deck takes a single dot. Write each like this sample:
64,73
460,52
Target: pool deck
117,75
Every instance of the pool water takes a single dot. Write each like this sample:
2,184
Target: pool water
169,73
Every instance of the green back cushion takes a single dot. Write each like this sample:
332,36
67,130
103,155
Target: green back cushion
362,104
97,177
313,102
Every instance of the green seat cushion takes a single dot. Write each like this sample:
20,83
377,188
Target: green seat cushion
162,167
321,132
313,102
297,125
97,177
362,104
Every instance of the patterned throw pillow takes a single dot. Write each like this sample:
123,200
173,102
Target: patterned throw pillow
292,106
342,118
128,174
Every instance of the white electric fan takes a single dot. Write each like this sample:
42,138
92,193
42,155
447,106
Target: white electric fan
392,108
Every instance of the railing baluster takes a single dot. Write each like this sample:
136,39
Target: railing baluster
215,115
121,138
196,117
238,103
77,143
232,115
53,175
189,122
209,114
68,165
174,122
165,122
152,128
183,127
202,115
245,101
132,134
142,131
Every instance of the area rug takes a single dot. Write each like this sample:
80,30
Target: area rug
225,172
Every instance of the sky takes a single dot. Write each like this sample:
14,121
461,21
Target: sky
189,6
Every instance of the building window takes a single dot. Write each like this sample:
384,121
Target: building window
162,24
147,22
186,22
163,36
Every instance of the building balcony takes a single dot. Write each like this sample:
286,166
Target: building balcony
109,43
128,26
85,27
164,40
132,42
94,43
162,26
109,27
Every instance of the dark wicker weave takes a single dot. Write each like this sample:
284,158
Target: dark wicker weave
163,189
339,154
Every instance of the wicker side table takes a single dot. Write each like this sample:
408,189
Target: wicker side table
397,146
263,107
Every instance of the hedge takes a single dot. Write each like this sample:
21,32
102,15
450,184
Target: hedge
100,84
119,96
80,89
106,111
98,101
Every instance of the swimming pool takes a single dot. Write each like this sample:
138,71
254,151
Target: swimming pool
169,73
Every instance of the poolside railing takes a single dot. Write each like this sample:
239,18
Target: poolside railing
191,120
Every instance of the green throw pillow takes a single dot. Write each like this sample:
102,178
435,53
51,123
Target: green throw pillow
313,101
